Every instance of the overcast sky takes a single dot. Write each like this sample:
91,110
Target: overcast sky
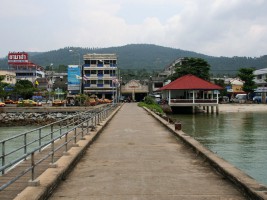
212,27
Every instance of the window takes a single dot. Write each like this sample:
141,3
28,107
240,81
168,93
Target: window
87,72
93,62
93,72
93,81
106,71
107,82
158,85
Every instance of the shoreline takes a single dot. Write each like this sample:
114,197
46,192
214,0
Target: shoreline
233,107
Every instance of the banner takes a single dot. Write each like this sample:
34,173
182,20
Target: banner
74,82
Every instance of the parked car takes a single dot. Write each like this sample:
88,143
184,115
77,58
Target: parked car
9,101
27,103
2,104
239,98
58,102
224,99
258,99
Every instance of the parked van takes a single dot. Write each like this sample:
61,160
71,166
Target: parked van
239,98
258,99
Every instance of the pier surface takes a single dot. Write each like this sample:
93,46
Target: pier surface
135,157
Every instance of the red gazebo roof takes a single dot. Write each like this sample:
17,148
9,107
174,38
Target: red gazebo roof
190,82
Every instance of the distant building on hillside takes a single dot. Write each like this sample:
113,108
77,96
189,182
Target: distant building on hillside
170,69
157,82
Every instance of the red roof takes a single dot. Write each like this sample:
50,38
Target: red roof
190,82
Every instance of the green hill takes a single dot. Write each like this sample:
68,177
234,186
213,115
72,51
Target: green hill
143,56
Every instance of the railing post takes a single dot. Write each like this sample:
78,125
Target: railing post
87,127
3,156
52,128
40,139
25,143
66,142
53,151
60,130
82,130
32,165
33,182
75,136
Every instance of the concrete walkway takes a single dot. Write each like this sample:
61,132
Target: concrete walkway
135,157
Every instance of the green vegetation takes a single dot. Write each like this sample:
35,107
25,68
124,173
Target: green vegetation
195,66
2,85
143,56
150,103
246,75
25,89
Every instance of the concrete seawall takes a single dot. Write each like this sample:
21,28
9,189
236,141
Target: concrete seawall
249,186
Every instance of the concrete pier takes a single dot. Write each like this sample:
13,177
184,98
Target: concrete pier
135,154
135,157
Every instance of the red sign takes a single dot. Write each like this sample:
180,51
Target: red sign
17,57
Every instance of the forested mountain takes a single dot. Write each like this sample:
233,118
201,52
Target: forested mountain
143,56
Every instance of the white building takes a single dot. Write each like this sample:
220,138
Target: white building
9,76
99,74
261,80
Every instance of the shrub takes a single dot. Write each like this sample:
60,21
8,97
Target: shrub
149,100
152,106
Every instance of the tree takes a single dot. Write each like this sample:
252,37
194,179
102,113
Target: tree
221,83
246,75
195,66
24,88
2,92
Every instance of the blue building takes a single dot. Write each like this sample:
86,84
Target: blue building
99,74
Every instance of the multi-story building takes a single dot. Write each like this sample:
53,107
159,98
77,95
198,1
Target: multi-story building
157,82
170,69
261,77
261,81
9,76
24,69
99,74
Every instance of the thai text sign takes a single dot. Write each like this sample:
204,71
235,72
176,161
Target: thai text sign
18,57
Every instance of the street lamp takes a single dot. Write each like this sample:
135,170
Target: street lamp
50,82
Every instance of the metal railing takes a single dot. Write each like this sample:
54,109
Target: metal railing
50,138
193,101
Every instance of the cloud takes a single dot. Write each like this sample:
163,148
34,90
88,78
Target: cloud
213,27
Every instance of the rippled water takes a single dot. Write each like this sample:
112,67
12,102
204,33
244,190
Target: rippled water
239,138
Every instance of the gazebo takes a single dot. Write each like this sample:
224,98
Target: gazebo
191,91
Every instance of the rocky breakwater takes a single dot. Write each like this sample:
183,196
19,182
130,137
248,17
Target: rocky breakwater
21,119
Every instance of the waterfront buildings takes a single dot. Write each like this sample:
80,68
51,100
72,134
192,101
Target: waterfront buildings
9,76
24,69
189,92
261,81
100,75
155,83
